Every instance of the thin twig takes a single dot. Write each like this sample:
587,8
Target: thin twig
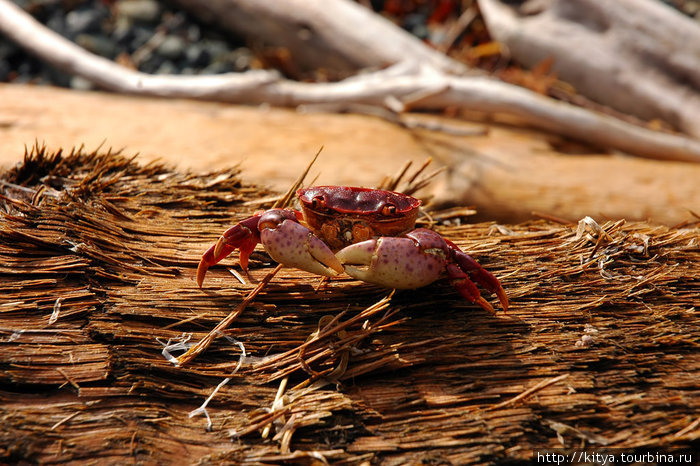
285,201
530,391
70,381
280,392
268,418
687,428
457,29
64,420
327,331
551,218
391,183
204,343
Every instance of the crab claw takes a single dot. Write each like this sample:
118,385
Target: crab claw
392,262
292,244
416,260
243,236
477,274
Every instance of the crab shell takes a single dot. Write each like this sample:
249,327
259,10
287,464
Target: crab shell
341,215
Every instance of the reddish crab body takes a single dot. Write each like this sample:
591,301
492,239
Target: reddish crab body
367,233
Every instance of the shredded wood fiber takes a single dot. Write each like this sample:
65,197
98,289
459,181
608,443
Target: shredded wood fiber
98,254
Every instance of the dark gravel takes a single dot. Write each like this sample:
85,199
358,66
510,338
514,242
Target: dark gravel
147,35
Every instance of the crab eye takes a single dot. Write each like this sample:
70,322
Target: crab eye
389,209
318,202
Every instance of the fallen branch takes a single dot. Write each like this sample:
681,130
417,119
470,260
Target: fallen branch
340,37
640,57
399,87
440,91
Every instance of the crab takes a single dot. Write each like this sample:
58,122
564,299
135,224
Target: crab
366,233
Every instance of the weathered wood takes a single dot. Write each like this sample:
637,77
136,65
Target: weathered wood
506,173
338,37
599,347
640,57
406,85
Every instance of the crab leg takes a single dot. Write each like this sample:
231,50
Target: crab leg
285,239
243,236
476,273
466,288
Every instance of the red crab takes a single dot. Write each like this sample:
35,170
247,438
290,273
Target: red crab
367,233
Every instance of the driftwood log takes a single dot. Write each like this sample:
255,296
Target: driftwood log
98,253
506,173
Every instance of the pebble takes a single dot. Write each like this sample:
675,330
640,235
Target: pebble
218,67
57,23
84,21
97,44
167,67
242,58
146,11
415,23
138,36
197,55
215,47
80,84
172,47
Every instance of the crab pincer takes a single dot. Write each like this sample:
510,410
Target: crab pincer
417,259
243,236
392,262
284,238
292,244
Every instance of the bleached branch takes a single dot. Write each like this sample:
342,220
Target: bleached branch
409,84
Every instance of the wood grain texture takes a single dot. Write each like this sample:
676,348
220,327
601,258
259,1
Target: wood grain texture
599,347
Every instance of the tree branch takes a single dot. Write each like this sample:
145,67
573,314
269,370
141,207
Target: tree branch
638,56
339,36
410,84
